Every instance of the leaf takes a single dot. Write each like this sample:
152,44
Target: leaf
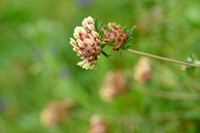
101,32
95,23
104,26
103,45
124,30
105,54
113,26
100,26
126,47
193,56
129,39
131,31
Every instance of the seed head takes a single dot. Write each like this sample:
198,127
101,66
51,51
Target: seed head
115,36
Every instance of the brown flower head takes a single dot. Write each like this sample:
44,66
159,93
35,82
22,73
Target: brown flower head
98,125
115,36
87,44
114,84
56,111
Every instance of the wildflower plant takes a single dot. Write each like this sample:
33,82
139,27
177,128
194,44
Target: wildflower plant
89,42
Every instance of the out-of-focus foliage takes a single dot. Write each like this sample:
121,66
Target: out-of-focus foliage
38,66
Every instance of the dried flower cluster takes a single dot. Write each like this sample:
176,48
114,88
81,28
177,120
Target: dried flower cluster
87,44
98,125
116,36
56,111
143,72
115,83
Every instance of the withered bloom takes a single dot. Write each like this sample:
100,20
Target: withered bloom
98,125
115,36
56,111
114,84
87,45
142,71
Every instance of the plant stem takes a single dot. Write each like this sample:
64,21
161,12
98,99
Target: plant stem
163,58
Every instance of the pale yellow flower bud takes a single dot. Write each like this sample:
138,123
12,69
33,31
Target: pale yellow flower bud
84,24
76,48
83,31
90,20
93,66
77,31
90,26
72,41
95,34
88,41
86,65
79,53
80,63
80,43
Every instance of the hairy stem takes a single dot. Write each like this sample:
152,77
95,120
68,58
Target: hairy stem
163,58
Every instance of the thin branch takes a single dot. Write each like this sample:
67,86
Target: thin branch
163,58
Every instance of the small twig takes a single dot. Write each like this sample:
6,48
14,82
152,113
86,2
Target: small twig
163,58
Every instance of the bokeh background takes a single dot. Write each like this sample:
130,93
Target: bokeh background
38,68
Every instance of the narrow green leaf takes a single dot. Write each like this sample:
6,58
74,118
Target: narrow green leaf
103,45
101,32
129,39
126,47
131,31
105,54
95,23
100,26
194,57
104,26
124,29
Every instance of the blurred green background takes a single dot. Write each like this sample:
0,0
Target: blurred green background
37,66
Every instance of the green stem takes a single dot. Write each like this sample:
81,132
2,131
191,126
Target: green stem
163,58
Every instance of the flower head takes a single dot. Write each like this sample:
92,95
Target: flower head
115,84
143,70
115,36
98,125
87,45
56,111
